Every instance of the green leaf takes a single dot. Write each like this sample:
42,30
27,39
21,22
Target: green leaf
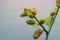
48,20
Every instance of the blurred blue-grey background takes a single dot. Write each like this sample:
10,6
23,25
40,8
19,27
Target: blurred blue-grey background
13,27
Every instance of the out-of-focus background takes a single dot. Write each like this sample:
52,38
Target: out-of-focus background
13,27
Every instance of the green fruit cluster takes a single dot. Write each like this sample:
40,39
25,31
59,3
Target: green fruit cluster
31,10
30,22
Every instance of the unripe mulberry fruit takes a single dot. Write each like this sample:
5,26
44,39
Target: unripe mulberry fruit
31,15
37,33
30,22
23,14
34,11
53,12
41,21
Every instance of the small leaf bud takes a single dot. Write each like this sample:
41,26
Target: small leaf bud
41,21
53,12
